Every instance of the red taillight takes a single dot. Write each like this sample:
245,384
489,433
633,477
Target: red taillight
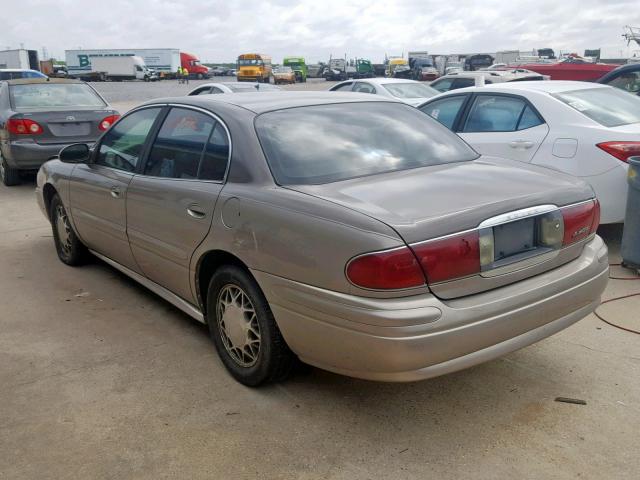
621,150
391,269
106,122
451,257
23,126
580,221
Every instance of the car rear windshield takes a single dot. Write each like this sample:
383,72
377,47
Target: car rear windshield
410,90
610,107
54,95
330,143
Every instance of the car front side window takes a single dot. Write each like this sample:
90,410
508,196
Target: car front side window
344,88
495,113
122,145
363,87
442,85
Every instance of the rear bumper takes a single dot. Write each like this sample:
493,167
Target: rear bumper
418,337
28,155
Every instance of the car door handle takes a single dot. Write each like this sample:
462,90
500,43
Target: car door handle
115,192
521,144
195,212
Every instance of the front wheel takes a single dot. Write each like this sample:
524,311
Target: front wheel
244,331
68,246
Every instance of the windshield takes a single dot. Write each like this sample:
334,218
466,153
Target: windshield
610,107
54,95
410,90
283,70
330,143
249,62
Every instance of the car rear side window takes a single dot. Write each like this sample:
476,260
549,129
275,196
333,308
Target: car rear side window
610,107
216,155
446,110
463,83
329,143
122,145
497,113
178,147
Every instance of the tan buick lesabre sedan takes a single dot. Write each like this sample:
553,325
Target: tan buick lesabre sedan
349,231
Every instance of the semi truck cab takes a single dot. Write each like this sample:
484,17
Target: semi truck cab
193,66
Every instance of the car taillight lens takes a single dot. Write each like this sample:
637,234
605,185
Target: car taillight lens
621,150
451,257
580,221
387,270
23,126
106,122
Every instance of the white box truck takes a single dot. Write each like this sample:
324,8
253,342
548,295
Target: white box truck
22,59
122,68
161,60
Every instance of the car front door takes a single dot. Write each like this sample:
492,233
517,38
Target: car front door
503,125
98,189
170,204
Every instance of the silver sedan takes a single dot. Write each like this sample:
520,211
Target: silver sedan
351,232
232,87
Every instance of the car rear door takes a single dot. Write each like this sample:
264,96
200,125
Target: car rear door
98,189
170,204
503,125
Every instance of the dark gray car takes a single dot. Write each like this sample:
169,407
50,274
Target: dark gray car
348,230
38,117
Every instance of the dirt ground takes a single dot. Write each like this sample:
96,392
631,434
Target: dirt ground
103,380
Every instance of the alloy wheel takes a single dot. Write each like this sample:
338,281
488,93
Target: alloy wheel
238,325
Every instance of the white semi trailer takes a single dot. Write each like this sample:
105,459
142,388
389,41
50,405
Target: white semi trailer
161,60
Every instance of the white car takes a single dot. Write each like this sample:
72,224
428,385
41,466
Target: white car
409,91
585,129
455,80
232,87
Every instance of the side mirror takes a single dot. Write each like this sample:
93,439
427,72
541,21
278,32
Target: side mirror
76,153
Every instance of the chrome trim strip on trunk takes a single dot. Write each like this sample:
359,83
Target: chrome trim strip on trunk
159,290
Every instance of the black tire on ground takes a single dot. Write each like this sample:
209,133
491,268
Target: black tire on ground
9,176
200,76
271,360
69,248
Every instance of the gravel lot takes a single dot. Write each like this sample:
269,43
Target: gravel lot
103,380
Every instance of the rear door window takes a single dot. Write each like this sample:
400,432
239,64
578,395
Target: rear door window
122,145
177,150
442,85
497,113
363,87
344,88
446,110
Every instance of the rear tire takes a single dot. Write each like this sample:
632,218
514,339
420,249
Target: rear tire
9,176
244,331
69,248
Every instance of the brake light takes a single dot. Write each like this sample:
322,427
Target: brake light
621,150
387,270
106,122
580,221
451,257
24,126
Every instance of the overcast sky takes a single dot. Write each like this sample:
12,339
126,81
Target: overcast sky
219,30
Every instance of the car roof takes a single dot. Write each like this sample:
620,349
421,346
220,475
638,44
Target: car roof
542,86
274,100
27,81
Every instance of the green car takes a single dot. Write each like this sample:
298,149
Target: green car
299,67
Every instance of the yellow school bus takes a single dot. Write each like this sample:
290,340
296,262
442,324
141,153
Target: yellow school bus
254,67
